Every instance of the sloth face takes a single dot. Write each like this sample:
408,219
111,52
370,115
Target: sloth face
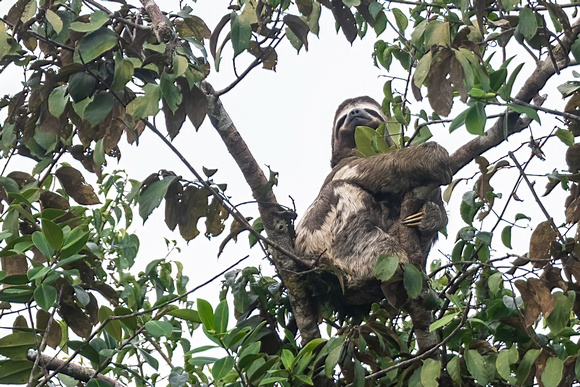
361,111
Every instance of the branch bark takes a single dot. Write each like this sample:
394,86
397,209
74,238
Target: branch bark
276,219
536,82
73,370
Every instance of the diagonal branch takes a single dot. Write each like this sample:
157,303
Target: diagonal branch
495,136
277,221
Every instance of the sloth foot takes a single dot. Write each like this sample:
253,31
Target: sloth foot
414,220
431,217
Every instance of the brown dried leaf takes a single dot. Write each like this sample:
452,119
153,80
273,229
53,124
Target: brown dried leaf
75,318
552,278
106,291
192,26
345,19
439,90
540,242
92,309
173,207
573,107
269,61
195,102
54,335
21,178
537,299
216,33
572,266
50,199
174,121
457,76
573,158
133,134
194,207
298,27
76,187
569,374
216,215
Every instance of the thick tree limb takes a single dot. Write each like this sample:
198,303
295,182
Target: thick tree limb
276,220
543,72
73,370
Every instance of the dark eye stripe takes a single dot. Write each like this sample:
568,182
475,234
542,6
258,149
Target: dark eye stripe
373,112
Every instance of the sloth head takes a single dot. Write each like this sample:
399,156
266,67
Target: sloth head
360,111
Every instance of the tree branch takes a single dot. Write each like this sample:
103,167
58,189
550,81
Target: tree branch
73,370
276,220
495,136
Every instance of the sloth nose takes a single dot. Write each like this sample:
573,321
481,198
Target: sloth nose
354,113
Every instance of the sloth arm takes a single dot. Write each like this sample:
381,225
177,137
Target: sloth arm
398,171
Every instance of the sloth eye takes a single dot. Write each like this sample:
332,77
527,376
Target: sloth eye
374,113
340,121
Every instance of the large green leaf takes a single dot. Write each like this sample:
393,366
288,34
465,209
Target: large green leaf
95,44
152,196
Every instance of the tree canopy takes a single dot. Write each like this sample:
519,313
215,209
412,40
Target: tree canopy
99,74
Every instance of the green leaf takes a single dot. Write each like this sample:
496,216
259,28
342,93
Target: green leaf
45,296
97,20
506,236
430,372
412,280
221,317
222,367
476,366
526,365
401,20
443,321
124,70
576,49
41,243
113,327
437,33
475,119
454,370
98,383
495,282
146,105
241,32
92,46
552,374
386,267
99,108
560,316
422,70
459,120
152,196
566,136
53,233
99,152
205,314
335,345
527,24
81,85
506,91
287,359
15,371
54,20
159,328
57,101
505,359
351,3
186,314
170,91
528,111
74,242
154,363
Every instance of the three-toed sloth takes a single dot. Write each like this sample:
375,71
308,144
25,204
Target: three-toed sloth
388,203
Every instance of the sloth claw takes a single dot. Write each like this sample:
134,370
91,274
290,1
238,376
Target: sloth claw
414,220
